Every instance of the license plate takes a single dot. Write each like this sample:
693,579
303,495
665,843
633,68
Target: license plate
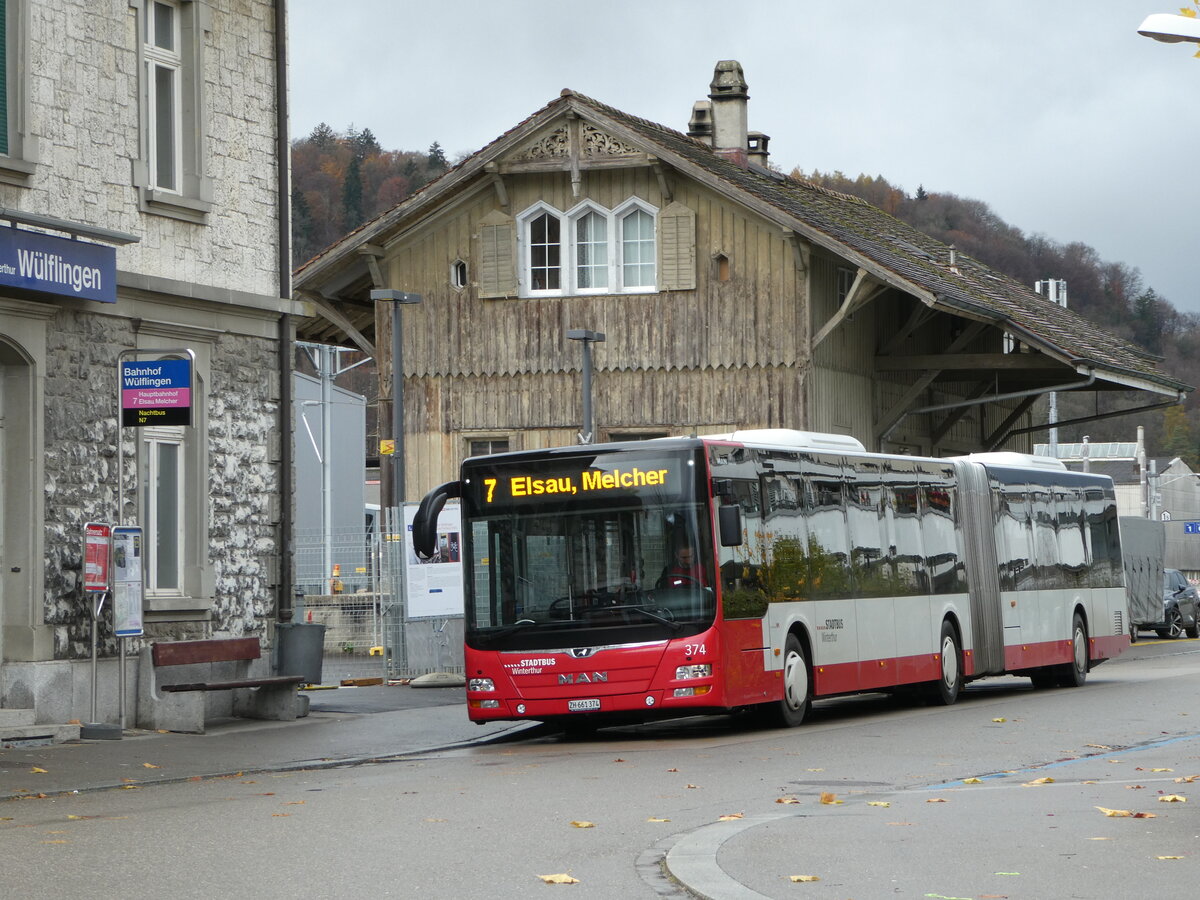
581,705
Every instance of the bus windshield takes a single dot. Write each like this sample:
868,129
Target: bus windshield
594,547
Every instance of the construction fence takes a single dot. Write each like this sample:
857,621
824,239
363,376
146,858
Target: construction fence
354,583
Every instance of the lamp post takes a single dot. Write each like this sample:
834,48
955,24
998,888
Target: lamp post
588,338
1170,28
397,299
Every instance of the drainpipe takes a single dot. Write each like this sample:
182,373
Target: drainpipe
283,597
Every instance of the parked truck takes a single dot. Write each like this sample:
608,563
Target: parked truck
1143,545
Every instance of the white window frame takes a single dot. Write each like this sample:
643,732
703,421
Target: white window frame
22,157
168,59
190,196
568,248
619,214
152,440
571,247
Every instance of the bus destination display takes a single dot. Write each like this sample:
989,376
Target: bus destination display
521,484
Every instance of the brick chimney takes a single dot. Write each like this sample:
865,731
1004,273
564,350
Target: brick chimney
729,93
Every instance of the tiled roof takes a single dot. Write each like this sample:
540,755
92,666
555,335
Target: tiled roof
913,256
847,224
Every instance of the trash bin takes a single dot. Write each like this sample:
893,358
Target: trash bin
299,650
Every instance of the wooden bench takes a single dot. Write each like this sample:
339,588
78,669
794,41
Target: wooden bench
191,675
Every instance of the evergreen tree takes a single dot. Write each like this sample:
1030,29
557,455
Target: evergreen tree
436,159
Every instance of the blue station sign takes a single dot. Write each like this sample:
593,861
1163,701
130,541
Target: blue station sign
56,265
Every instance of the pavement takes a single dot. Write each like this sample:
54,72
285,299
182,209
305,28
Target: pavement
345,726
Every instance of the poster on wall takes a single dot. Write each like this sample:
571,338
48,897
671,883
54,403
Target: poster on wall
127,580
435,585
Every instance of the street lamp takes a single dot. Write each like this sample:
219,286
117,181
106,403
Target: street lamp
1170,28
588,338
398,299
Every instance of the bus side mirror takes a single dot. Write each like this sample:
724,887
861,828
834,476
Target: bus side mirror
729,523
424,530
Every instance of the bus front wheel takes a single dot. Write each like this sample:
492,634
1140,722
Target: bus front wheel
797,686
951,680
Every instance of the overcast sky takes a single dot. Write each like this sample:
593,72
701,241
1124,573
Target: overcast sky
1054,112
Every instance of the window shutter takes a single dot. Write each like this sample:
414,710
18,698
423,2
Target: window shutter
496,257
677,248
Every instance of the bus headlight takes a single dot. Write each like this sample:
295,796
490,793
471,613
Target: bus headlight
481,684
700,670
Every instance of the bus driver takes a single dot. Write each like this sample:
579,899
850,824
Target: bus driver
684,571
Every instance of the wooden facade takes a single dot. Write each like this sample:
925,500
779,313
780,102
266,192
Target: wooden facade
776,305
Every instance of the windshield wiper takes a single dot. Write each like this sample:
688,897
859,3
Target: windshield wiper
672,624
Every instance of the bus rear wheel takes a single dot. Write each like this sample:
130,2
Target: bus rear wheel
951,680
1074,673
797,687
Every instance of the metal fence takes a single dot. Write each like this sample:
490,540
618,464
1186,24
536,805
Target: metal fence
352,583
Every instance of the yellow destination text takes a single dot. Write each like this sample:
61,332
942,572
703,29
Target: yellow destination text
524,486
618,478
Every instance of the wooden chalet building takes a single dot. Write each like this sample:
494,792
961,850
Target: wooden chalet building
731,297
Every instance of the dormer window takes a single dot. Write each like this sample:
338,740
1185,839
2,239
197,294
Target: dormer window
588,250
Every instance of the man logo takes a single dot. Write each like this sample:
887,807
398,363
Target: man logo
582,677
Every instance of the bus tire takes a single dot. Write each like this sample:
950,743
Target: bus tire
951,681
791,710
1074,673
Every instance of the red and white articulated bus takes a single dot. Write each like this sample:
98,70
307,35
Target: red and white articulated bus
816,569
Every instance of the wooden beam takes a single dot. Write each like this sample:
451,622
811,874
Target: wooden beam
959,361
493,171
892,417
955,415
861,292
919,315
993,440
329,310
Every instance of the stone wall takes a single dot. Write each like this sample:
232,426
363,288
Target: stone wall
240,425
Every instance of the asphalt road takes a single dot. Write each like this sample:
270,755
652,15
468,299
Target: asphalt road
732,811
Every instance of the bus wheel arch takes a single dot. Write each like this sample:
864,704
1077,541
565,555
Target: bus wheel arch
950,657
796,703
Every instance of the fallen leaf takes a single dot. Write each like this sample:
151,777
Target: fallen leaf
805,878
37,771
280,815
1162,770
150,766
128,780
162,731
1006,873
582,824
730,816
129,787
1115,813
1113,760
788,799
74,722
196,778
1039,781
882,803
1089,782
1172,798
935,800
972,781
816,770
56,842
1098,746
1186,779
1134,787
1000,719
1141,815
655,819
618,759
294,803
693,786
829,799
1168,857
561,878
672,770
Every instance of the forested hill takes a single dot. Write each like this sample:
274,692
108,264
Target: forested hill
341,180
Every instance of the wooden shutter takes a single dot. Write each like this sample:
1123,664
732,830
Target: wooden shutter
677,248
496,256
